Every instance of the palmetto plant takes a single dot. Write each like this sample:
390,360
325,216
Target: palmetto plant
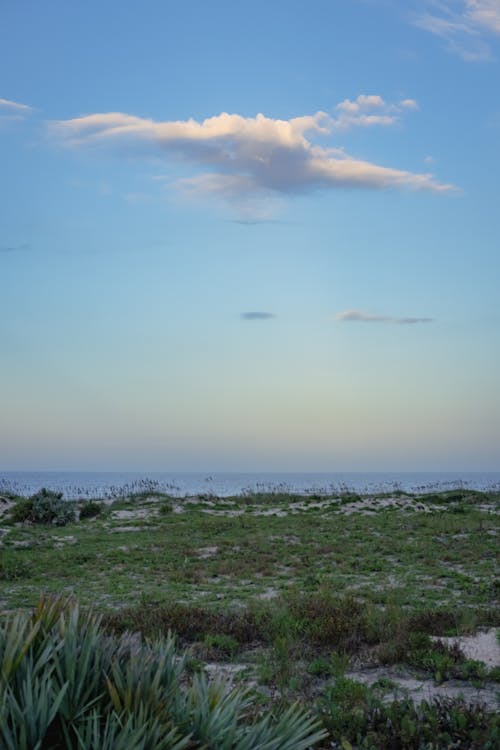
66,684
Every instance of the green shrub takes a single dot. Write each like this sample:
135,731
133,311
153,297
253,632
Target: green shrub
321,667
13,569
90,509
21,511
44,507
189,622
326,620
66,685
356,716
221,646
434,621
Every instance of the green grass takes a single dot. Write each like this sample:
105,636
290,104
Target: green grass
395,558
446,557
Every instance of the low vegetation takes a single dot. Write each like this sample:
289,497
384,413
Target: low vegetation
317,602
44,507
65,684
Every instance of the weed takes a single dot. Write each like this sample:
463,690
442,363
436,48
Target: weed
320,667
354,715
13,569
90,509
190,623
166,507
336,622
221,646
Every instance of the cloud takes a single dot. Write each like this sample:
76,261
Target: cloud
14,248
369,110
244,159
363,317
6,104
485,13
464,25
13,111
257,315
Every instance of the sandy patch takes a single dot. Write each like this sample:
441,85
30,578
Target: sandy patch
5,505
62,541
419,690
125,515
269,593
366,505
204,552
483,646
369,506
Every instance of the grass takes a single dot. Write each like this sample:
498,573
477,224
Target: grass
383,558
296,588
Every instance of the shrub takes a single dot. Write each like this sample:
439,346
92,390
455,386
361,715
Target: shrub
65,684
221,646
188,622
90,509
12,569
356,716
337,622
21,511
321,667
45,507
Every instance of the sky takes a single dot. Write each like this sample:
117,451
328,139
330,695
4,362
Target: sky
250,236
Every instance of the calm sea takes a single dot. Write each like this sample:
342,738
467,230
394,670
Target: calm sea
109,484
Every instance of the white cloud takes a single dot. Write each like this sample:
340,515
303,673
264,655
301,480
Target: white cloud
12,111
409,104
359,316
251,161
362,103
368,110
10,106
464,24
485,13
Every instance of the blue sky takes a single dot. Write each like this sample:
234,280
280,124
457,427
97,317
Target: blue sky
250,236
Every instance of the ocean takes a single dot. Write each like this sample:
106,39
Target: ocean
112,484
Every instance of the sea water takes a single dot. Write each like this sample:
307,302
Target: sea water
112,484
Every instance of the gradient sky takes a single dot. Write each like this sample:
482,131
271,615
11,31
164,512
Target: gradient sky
250,236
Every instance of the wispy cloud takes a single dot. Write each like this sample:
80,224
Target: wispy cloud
359,316
485,13
257,315
244,159
11,111
464,25
14,248
10,106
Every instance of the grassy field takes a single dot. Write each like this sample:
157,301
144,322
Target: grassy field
290,594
